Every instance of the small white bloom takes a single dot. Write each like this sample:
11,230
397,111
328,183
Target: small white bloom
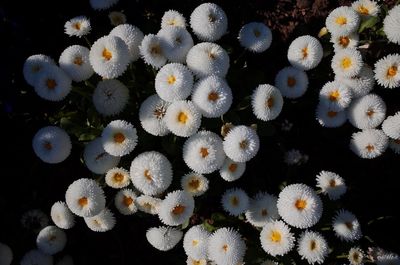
195,242
312,247
176,208
209,22
305,52
391,126
356,256
292,82
195,184
151,115
51,240
347,63
235,201
342,21
148,204
231,170
132,36
33,66
367,112
387,71
176,43
78,26
172,18
125,202
119,138
74,60
163,238
335,95
62,215
266,102
52,83
361,84
102,222
97,159
35,256
262,209
276,238
226,247
117,178
241,143
110,97
152,52
366,8
330,118
341,42
391,25
255,36
183,118
346,226
369,143
331,184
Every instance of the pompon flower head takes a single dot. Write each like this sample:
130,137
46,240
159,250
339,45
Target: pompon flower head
226,247
77,26
346,226
176,208
51,240
341,42
173,18
34,65
195,184
292,82
335,96
151,115
102,4
361,84
369,143
74,60
231,170
110,97
235,201
391,126
117,178
312,247
97,159
209,22
366,8
391,25
6,254
347,62
387,71
152,52
388,259
305,52
241,143
183,118
342,21
85,197
151,173
330,118
394,144
367,112
195,242
62,215
35,256
262,209
208,58
356,256
299,205
164,238
52,83
119,138
266,102
331,184
132,36
148,204
276,238
103,222
125,202
255,37
176,43
117,18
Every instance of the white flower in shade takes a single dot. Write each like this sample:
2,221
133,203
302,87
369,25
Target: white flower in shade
331,184
342,21
267,102
361,84
151,173
152,52
176,208
346,226
299,205
312,247
97,159
172,18
208,58
255,37
347,62
388,259
74,60
33,66
330,118
209,22
85,197
77,26
117,178
391,25
269,262
335,96
51,240
191,261
387,71
125,202
117,18
226,247
35,256
163,238
262,209
292,82
369,143
119,138
195,184
148,204
109,56
6,254
52,83
103,222
51,144
195,242
132,36
151,115
391,126
110,97
394,144
176,43
235,201
341,42
231,170
366,8
62,215
356,256
367,112
276,238
305,52
241,143
102,4
183,118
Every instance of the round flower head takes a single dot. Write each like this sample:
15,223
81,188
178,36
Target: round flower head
347,62
388,259
366,8
52,83
241,143
163,238
148,204
119,138
312,247
299,205
52,144
231,170
235,201
342,21
152,52
110,97
117,18
35,256
176,208
151,173
132,36
356,256
394,144
195,184
361,84
330,118
191,261
97,159
117,178
346,226
208,59
367,112
341,42
176,43
183,118
331,184
151,115
335,96
85,197
6,255
255,37
276,238
195,242
266,102
209,22
51,240
172,18
33,66
369,143
226,247
391,25
125,202
387,71
77,26
262,209
292,82
391,126
103,222
305,52
62,216
74,60
102,4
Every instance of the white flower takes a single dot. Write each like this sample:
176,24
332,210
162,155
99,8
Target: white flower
366,8
369,143
331,184
241,143
132,36
209,22
347,63
276,238
97,159
342,21
151,51
305,52
330,118
148,204
262,209
163,238
74,60
176,208
235,201
266,102
226,247
51,240
172,18
231,170
102,4
391,126
195,184
195,242
183,118
6,254
35,256
356,256
102,222
361,84
346,226
312,247
125,202
255,36
391,25
119,138
33,66
62,216
52,83
117,178
367,112
387,71
335,95
151,115
77,26
341,42
110,97
176,43
292,82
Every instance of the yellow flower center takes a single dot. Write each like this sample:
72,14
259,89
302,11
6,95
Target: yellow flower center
334,95
301,204
194,184
332,114
269,102
171,22
346,63
51,84
244,144
47,145
119,137
213,96
275,236
179,209
349,225
232,167
107,55
195,242
77,25
370,148
291,81
225,248
155,50
356,257
264,212
83,201
392,71
78,60
182,117
118,177
341,20
211,55
211,18
313,245
363,10
171,79
147,175
257,33
332,183
304,51
127,201
204,152
370,113
344,41
234,201
159,112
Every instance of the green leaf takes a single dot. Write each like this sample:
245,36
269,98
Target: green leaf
185,224
218,217
86,137
209,227
367,24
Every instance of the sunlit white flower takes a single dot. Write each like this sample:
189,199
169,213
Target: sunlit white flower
110,97
341,42
292,82
347,62
183,118
151,115
195,242
342,20
346,226
117,178
330,118
6,254
361,84
387,71
262,209
356,256
148,204
132,36
102,222
255,37
226,247
235,201
119,138
266,102
209,22
74,60
241,143
172,18
391,25
195,184
51,240
117,18
331,184
125,202
33,66
231,170
62,215
78,26
151,51
305,52
97,159
102,4
35,256
366,8
367,112
276,238
312,247
176,43
391,126
52,83
163,238
335,96
369,143
176,208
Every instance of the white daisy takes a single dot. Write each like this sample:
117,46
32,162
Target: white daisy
77,26
62,215
195,184
151,115
346,226
266,102
276,238
342,21
366,8
125,202
361,84
6,254
148,204
369,143
330,118
347,62
367,112
132,36
195,242
172,18
356,256
391,126
176,43
394,144
255,37
231,170
119,138
241,143
331,184
183,118
117,178
387,71
52,83
33,66
235,201
312,247
103,222
209,22
151,51
102,4
110,97
97,159
341,42
163,238
51,240
74,60
305,52
391,25
35,256
262,209
335,95
176,208
292,82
